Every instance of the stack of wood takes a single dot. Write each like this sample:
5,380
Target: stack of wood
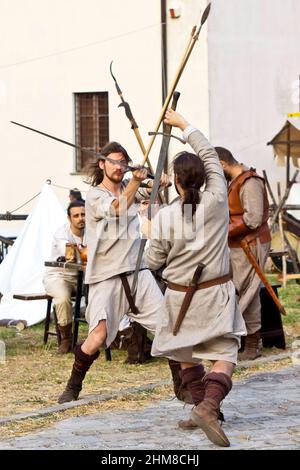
285,232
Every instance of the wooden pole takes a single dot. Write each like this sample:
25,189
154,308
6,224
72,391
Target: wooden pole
179,71
283,249
283,200
288,155
269,188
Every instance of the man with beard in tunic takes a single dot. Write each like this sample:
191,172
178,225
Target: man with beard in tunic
113,239
193,230
249,213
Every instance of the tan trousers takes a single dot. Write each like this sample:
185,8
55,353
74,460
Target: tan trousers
61,289
247,282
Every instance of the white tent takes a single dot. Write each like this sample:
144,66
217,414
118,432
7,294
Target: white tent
21,271
294,198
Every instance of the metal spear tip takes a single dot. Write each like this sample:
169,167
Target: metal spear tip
111,72
205,14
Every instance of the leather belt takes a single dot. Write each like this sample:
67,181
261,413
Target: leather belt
127,290
202,285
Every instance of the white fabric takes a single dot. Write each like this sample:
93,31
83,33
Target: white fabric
294,198
22,269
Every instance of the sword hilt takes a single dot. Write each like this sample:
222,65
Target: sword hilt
176,95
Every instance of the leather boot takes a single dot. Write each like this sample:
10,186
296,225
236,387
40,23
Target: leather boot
180,390
66,338
136,344
252,348
205,415
81,365
192,378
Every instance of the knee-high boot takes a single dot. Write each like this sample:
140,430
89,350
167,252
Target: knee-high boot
180,390
192,380
206,413
81,365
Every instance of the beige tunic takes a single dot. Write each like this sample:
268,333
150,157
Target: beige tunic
245,278
113,244
213,324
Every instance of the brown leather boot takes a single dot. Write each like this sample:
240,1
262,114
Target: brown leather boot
81,365
180,390
192,379
136,344
205,415
252,348
66,338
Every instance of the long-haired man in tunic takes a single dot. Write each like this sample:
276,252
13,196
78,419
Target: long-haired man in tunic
249,213
113,239
201,319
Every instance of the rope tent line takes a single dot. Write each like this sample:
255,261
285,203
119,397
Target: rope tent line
29,200
65,187
74,49
36,195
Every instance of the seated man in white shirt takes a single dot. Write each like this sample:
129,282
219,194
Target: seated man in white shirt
60,283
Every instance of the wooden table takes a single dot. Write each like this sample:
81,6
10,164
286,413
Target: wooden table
80,268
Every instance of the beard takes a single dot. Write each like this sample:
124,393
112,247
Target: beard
115,177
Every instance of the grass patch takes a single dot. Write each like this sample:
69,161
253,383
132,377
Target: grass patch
290,298
34,375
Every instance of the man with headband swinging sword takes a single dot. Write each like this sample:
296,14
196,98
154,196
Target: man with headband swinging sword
113,238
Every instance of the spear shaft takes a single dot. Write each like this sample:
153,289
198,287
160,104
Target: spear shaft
191,43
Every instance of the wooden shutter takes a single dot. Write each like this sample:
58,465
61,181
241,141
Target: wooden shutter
92,125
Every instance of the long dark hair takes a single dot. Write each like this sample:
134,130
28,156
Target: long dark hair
189,170
94,172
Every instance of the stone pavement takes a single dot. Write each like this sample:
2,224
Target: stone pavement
262,412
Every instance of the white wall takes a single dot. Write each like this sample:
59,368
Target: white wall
50,50
253,51
53,48
193,85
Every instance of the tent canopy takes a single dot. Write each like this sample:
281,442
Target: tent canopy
21,271
287,143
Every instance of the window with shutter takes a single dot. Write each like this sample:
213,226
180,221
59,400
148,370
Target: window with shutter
92,125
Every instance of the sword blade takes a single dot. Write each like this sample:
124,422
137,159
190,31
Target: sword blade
87,151
154,192
91,152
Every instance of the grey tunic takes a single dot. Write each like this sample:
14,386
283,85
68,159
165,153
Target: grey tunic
213,317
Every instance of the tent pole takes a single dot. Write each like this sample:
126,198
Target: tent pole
288,155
